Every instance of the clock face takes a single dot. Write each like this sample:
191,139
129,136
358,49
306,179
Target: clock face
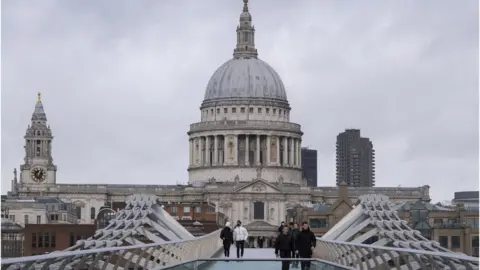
38,174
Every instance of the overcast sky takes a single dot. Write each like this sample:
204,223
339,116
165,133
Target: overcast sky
122,80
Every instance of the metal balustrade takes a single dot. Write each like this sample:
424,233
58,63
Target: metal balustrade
143,256
395,244
361,256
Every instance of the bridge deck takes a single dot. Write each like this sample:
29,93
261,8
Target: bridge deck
254,254
249,253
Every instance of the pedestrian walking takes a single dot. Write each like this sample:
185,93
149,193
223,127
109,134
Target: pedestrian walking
240,235
294,231
227,236
305,244
284,246
260,241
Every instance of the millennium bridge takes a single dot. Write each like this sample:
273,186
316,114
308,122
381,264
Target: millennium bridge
119,245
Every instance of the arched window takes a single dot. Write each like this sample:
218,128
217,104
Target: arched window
92,213
259,210
104,217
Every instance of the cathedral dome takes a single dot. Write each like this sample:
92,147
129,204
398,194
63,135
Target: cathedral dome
245,78
249,78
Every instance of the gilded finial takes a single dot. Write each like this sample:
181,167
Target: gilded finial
39,97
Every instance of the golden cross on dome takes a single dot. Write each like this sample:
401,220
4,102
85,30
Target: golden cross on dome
39,97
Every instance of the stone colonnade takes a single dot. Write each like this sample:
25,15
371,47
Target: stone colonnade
245,150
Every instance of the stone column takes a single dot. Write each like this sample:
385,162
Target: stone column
292,152
247,154
202,152
207,150
257,151
296,152
278,151
215,150
299,153
235,150
225,150
285,150
268,150
194,153
190,152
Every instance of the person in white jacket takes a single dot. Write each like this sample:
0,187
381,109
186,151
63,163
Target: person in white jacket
240,235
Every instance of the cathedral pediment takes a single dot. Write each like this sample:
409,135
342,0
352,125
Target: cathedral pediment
258,186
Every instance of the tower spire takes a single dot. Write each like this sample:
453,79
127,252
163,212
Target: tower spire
39,112
245,36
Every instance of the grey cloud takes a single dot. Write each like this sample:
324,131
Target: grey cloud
122,81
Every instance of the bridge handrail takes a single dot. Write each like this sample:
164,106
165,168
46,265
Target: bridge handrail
452,255
362,256
61,254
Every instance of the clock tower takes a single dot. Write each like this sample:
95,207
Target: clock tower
38,173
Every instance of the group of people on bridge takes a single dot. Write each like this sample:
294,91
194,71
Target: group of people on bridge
292,242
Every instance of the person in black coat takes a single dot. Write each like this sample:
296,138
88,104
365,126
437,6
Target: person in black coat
260,241
284,246
294,234
305,244
227,236
280,228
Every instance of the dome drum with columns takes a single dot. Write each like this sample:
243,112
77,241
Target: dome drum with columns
245,121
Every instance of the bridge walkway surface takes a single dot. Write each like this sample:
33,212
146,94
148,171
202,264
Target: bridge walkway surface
253,258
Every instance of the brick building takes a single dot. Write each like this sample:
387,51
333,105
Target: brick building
45,238
200,211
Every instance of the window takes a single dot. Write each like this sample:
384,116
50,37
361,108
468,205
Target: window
279,112
267,110
78,209
218,110
92,213
443,240
174,210
259,110
242,110
258,210
39,219
72,239
211,111
452,221
25,219
40,240
318,223
54,240
250,110
438,222
473,222
198,209
274,111
34,240
12,218
455,241
47,240
186,210
475,244
225,110
234,110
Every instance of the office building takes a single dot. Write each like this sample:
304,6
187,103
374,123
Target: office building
309,166
355,159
